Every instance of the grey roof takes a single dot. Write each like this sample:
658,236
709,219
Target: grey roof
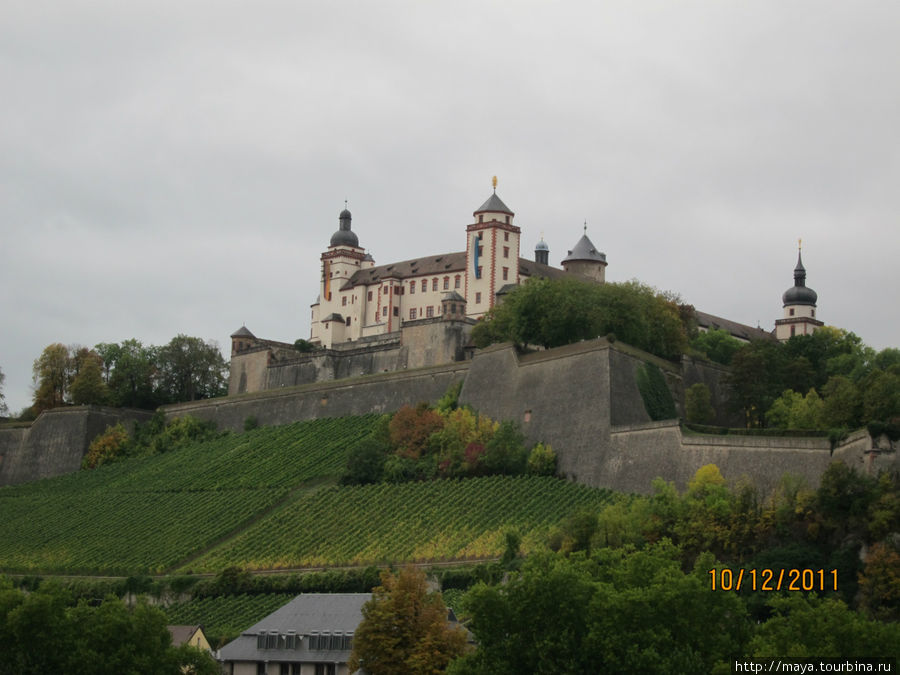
454,296
430,265
181,634
738,330
585,250
345,238
531,268
334,316
494,203
541,245
799,293
243,332
335,613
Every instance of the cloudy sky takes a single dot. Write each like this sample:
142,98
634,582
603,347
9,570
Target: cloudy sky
178,167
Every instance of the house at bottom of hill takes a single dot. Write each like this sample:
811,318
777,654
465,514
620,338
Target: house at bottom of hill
311,635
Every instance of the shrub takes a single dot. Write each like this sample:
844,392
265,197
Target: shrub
106,448
542,461
250,423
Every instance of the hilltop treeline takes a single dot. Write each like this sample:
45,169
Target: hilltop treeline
128,374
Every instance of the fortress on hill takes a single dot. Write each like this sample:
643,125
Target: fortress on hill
372,318
386,336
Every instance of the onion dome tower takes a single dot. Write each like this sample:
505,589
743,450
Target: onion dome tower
799,303
345,236
586,260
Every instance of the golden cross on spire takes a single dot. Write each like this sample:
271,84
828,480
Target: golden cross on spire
799,243
494,183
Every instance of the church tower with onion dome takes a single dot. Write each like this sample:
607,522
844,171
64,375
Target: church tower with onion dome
799,306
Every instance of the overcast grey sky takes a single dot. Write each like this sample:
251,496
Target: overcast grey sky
178,167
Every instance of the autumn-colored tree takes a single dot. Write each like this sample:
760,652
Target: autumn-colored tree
51,377
106,447
879,583
410,429
404,630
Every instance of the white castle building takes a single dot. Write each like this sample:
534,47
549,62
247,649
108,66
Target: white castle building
358,299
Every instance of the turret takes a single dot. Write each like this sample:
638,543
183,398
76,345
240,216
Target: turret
586,260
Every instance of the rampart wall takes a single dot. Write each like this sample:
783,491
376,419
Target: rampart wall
582,399
56,442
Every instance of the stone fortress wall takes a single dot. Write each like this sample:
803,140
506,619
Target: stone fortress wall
56,441
582,399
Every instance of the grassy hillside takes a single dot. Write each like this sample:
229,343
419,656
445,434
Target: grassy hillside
266,499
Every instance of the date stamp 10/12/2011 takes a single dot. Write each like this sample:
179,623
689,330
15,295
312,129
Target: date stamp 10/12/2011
766,579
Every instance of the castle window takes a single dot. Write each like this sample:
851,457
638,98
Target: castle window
424,285
344,301
480,236
480,218
412,287
793,330
446,283
480,251
814,314
456,281
453,308
478,272
506,251
370,296
396,313
434,284
348,320
506,234
478,298
429,311
505,273
791,311
412,314
384,311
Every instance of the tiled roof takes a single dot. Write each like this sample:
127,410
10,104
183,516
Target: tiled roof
738,330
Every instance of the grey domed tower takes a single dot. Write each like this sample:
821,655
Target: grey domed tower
330,321
586,260
799,306
542,252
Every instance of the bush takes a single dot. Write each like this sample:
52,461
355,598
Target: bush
697,404
542,461
106,448
250,423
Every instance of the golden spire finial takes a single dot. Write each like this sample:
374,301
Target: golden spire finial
799,244
494,182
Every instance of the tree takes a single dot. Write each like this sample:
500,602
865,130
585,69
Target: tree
131,371
87,385
192,369
4,410
556,312
843,402
718,345
697,404
52,370
404,629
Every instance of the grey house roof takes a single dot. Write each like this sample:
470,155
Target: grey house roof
309,614
585,250
494,203
738,330
243,331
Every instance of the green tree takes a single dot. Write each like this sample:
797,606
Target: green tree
192,369
843,403
404,629
881,397
792,410
131,371
698,404
718,345
87,385
756,379
542,460
805,626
